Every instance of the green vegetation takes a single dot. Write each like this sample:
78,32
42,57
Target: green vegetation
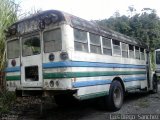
8,15
7,99
144,103
144,26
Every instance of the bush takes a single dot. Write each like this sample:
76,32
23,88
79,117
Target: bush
7,99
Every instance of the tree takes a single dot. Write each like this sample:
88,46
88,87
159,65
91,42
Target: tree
131,10
8,10
144,26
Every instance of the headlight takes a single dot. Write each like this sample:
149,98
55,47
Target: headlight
51,57
13,62
64,56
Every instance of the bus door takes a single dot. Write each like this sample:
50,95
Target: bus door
31,61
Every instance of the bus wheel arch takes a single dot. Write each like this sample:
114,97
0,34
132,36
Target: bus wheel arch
116,95
121,81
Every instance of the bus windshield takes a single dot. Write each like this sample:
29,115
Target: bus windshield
31,45
13,49
157,57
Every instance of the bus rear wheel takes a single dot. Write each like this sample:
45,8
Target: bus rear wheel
155,84
115,97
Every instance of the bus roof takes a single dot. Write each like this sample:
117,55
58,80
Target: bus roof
82,24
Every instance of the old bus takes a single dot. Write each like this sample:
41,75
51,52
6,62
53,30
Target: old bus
53,53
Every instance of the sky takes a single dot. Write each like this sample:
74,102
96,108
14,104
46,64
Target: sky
89,9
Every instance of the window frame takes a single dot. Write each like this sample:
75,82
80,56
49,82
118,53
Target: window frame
132,51
28,36
95,45
125,50
11,40
81,42
113,54
44,41
106,47
137,51
142,53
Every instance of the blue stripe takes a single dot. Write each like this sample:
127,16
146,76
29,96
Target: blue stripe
134,79
103,82
13,69
90,83
90,64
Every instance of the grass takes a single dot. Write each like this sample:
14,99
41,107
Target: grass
144,103
7,99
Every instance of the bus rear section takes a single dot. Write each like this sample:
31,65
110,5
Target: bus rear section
33,46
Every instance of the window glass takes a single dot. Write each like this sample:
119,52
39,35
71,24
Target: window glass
116,47
31,45
95,44
124,50
142,54
80,40
94,39
137,54
80,35
52,40
81,47
13,49
131,51
157,57
107,46
95,49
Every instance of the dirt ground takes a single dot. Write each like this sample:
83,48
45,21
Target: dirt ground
137,106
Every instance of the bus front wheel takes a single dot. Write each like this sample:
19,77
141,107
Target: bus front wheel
115,97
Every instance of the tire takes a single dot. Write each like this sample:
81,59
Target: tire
155,85
116,96
65,100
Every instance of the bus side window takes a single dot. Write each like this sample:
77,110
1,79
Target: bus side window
95,44
124,50
142,53
107,49
116,48
137,54
80,40
131,51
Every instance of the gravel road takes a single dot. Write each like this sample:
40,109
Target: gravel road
135,104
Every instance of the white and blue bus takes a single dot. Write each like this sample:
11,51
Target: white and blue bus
53,53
